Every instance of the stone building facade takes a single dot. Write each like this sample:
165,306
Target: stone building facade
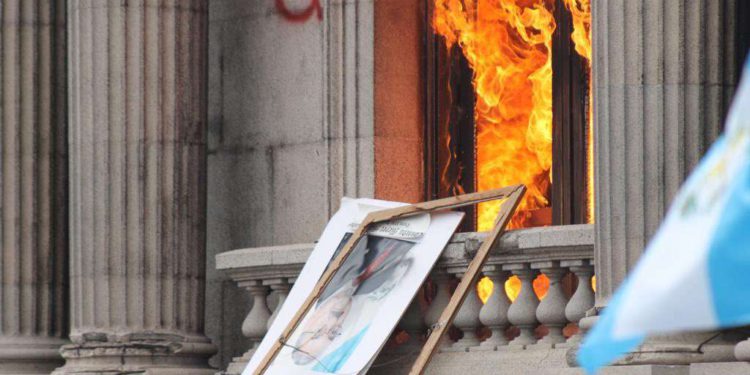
147,143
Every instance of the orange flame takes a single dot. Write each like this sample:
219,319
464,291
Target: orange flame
512,287
581,37
508,45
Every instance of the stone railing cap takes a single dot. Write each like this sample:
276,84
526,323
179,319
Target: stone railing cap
559,243
264,256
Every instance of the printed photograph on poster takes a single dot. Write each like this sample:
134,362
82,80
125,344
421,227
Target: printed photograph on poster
356,313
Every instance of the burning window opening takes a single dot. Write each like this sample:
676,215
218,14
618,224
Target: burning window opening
501,128
508,47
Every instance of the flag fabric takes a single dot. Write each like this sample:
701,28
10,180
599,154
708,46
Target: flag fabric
693,274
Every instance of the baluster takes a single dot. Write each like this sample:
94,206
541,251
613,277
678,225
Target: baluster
414,324
583,299
494,313
551,310
281,287
742,351
254,325
467,318
522,312
442,281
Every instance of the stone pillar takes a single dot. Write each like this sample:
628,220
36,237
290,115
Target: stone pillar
663,78
33,188
138,179
663,74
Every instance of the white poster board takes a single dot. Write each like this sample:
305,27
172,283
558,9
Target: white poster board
344,331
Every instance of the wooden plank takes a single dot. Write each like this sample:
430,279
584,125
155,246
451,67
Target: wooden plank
467,283
512,192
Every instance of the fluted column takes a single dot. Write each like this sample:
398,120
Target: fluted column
33,195
138,179
663,77
663,74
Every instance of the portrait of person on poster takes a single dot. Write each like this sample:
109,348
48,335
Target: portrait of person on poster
360,307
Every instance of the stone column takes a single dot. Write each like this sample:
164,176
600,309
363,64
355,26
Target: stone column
33,196
138,179
663,75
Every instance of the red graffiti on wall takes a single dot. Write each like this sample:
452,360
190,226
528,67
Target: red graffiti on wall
301,16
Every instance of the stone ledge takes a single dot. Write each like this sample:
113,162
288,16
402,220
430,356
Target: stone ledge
529,362
519,362
734,368
523,245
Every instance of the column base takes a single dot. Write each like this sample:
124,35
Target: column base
146,353
29,355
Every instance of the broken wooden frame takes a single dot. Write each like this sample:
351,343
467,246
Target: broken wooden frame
512,196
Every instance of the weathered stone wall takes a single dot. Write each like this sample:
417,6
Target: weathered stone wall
290,132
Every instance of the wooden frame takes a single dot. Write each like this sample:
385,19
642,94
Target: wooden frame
512,196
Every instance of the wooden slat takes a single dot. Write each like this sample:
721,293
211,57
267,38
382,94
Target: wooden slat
513,193
467,283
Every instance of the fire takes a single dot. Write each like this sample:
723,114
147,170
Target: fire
581,37
512,287
508,44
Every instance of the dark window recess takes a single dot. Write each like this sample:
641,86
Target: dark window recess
450,137
570,116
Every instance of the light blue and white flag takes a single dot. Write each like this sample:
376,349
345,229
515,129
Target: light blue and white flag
687,277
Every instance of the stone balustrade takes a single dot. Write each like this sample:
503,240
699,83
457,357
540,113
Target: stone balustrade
513,319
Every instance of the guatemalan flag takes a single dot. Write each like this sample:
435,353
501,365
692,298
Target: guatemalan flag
687,277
